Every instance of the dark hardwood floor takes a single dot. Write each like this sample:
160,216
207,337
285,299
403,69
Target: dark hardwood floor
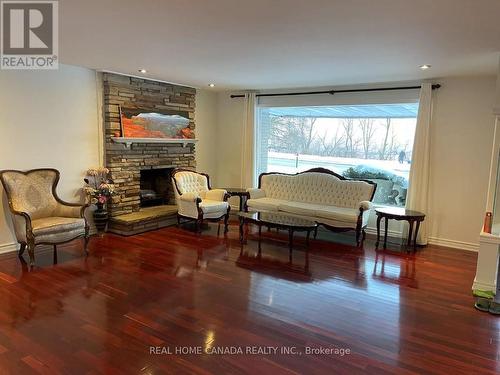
174,289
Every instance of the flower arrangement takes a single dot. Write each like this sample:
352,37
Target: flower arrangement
99,187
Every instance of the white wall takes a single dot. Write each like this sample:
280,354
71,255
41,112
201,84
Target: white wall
206,133
462,138
462,132
48,119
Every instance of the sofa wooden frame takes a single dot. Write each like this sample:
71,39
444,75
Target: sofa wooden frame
359,229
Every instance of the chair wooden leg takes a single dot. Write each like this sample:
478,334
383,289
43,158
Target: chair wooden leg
86,240
21,249
358,237
31,252
86,245
226,220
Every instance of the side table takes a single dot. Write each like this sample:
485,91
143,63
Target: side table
397,213
239,192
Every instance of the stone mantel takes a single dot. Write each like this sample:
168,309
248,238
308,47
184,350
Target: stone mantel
128,140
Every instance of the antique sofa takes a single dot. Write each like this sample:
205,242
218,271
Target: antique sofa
197,201
337,203
40,217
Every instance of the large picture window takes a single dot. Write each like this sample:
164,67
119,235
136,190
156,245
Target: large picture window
371,142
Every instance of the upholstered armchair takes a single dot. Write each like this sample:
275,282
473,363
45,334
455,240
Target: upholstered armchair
39,215
197,201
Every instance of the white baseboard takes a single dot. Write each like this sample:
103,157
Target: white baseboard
8,247
469,246
390,233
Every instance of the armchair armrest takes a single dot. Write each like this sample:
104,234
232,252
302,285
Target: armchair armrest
217,195
190,197
365,205
26,217
23,228
256,193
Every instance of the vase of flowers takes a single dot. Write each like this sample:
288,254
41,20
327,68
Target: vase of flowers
99,189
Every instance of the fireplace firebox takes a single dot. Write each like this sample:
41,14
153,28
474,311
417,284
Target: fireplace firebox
156,187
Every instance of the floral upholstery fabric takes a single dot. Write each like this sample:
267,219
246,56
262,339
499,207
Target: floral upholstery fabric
32,192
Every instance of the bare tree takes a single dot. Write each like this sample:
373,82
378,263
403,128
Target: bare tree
308,131
385,143
332,147
292,134
367,131
349,141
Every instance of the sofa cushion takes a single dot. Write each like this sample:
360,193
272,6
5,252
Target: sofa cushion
51,225
267,204
299,208
211,206
338,213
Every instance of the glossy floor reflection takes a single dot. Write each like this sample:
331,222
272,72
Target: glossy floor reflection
177,290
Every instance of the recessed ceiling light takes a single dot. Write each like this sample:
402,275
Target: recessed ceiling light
425,66
143,71
211,85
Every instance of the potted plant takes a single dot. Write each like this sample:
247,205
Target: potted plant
99,189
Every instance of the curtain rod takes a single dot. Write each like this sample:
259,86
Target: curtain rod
333,92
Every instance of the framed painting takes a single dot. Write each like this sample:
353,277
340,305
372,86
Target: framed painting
139,123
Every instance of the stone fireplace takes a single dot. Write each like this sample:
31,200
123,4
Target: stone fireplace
138,165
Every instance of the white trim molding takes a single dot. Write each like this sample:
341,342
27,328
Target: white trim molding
468,246
8,247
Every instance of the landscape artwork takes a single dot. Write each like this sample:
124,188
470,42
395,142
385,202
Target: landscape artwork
137,123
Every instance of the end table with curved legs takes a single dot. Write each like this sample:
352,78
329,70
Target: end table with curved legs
397,213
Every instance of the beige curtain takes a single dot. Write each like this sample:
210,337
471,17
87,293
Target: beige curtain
248,141
418,190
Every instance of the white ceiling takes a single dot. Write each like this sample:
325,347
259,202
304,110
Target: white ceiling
258,44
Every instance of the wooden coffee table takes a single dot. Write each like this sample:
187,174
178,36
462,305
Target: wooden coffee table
277,220
398,213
